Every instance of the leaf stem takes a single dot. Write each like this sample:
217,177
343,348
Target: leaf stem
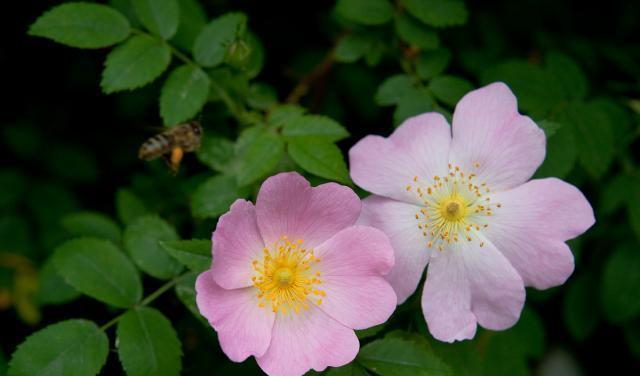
150,298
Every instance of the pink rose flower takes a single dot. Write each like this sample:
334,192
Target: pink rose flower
293,277
459,199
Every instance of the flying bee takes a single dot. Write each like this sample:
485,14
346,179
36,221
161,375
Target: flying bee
172,144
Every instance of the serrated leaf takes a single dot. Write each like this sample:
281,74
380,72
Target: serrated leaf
193,19
415,102
141,240
320,158
210,45
148,344
594,137
215,195
91,224
352,47
416,33
70,348
394,356
195,254
135,63
259,157
317,126
570,77
129,206
82,25
393,89
432,63
438,13
281,115
351,369
620,285
366,12
186,292
262,96
449,89
52,289
561,153
184,94
158,16
580,315
217,153
99,269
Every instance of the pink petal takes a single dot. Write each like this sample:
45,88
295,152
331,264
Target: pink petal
385,166
243,328
469,283
532,225
351,266
309,339
236,243
492,140
288,206
397,220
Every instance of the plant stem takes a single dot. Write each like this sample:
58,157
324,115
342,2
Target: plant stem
150,298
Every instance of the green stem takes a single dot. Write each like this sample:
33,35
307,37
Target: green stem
150,298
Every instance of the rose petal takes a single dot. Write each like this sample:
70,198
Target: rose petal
385,166
469,283
397,220
236,243
243,328
309,339
288,206
532,224
492,140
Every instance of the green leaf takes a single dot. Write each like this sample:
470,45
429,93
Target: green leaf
529,330
158,16
317,126
210,45
281,115
186,292
568,74
14,186
620,285
135,63
215,195
320,158
449,89
259,157
351,369
634,206
217,153
193,19
82,25
352,47
141,240
99,269
581,316
415,102
262,96
184,94
561,150
616,194
394,356
504,356
595,142
432,63
438,13
195,254
148,344
128,206
393,89
52,289
369,332
416,33
91,224
366,12
70,348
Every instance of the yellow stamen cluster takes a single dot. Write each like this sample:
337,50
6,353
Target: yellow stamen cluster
286,278
456,207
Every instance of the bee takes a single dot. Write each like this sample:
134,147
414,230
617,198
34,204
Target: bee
172,144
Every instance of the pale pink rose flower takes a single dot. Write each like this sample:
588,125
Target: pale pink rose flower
292,277
459,198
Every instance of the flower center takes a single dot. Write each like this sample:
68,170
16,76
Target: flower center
286,277
455,207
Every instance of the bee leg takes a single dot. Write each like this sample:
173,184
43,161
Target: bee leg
174,159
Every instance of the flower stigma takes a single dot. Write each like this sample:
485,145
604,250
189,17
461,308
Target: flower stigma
286,277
